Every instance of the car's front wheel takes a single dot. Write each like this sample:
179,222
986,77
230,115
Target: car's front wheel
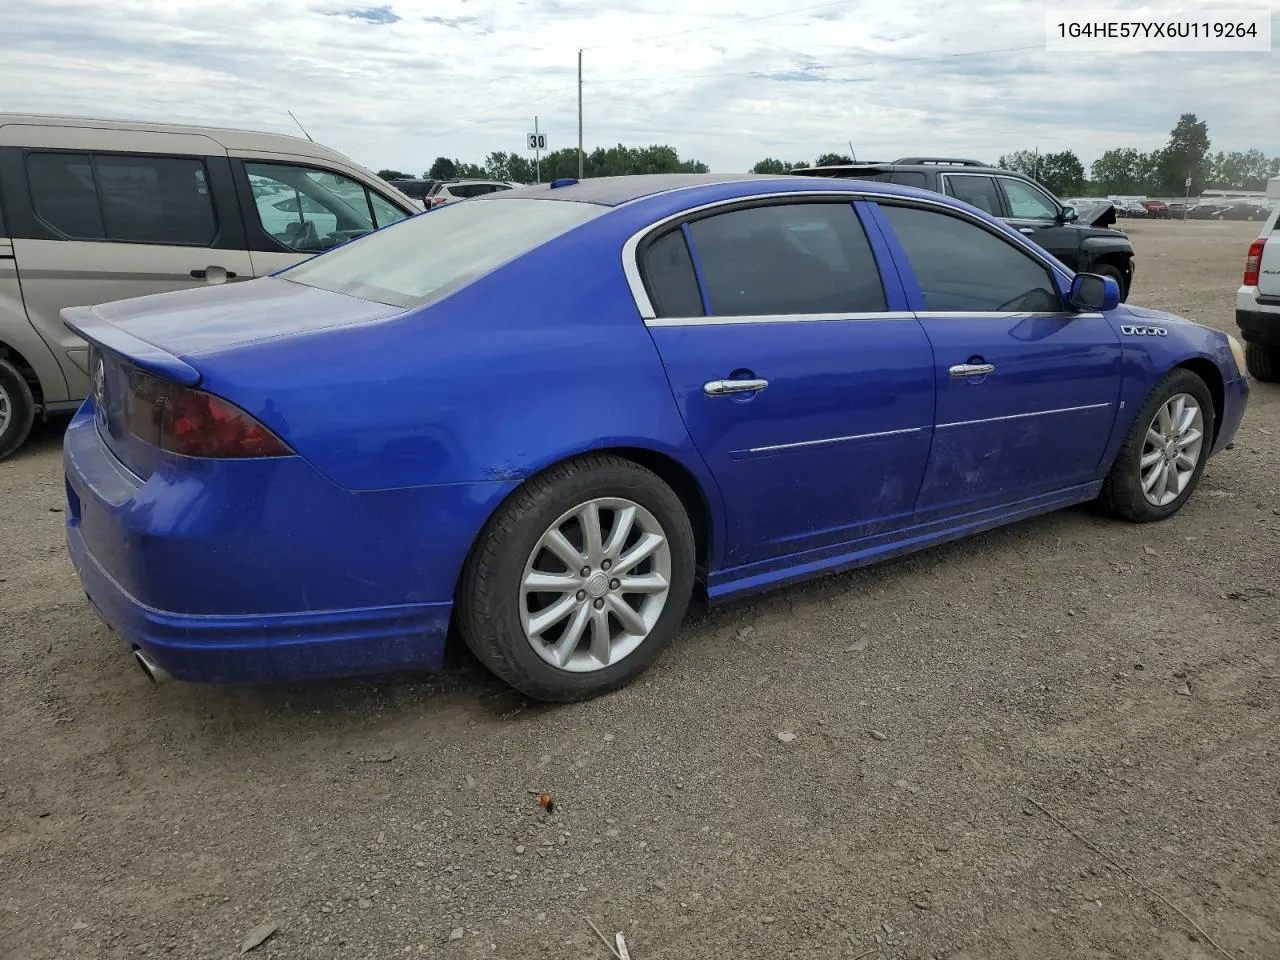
1164,454
579,580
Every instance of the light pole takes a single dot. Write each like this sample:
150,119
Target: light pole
580,154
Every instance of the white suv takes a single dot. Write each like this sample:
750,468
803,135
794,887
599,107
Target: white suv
1258,303
446,191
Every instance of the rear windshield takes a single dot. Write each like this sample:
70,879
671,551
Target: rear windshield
428,257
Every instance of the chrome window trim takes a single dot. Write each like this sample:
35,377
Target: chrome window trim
1021,416
726,319
817,443
631,266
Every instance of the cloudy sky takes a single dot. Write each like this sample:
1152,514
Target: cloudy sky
394,83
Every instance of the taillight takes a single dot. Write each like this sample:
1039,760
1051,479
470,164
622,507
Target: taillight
196,424
1253,262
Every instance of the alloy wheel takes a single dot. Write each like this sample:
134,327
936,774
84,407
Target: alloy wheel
1171,450
595,584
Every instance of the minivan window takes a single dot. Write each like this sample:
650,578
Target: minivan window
787,258
63,194
429,256
125,197
155,200
309,210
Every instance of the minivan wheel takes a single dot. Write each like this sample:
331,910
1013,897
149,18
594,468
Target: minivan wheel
1263,362
1163,457
17,408
579,580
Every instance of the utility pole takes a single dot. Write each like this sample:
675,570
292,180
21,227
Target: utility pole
1186,198
580,154
537,152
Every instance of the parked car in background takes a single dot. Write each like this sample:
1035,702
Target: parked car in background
1258,302
1156,208
418,190
1204,211
1131,208
99,210
1244,211
318,472
1081,242
447,191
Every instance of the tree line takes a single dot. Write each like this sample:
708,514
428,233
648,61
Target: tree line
1120,170
601,162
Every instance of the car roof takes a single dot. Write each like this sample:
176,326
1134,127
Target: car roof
613,191
229,137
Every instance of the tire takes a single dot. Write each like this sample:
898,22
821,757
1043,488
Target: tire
17,408
1263,362
1123,492
494,607
1109,270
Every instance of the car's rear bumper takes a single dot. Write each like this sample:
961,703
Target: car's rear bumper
267,647
1260,326
263,570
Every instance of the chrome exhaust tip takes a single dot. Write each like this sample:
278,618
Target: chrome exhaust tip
155,673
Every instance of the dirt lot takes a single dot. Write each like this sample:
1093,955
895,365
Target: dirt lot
1124,678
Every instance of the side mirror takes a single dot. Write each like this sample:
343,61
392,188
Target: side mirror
1068,214
1092,292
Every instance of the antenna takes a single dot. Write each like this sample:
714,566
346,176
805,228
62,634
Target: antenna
853,154
300,126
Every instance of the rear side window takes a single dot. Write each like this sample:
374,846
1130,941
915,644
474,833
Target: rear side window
979,191
669,277
792,258
911,178
962,268
424,259
124,197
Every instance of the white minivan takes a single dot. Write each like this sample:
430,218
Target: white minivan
98,210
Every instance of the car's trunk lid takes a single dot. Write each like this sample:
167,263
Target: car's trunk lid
136,342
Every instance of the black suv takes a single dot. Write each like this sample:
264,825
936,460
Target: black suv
1083,243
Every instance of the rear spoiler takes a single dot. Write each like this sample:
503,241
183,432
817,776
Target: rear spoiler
146,356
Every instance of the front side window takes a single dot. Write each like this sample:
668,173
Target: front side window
1026,202
787,258
309,210
979,191
962,268
426,258
124,197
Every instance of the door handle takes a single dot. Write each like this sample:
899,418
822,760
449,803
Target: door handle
723,388
972,369
204,274
1026,230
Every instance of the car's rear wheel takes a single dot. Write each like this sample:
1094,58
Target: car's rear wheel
1164,454
1263,362
17,408
579,580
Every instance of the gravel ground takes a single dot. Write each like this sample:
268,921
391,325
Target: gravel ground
1124,679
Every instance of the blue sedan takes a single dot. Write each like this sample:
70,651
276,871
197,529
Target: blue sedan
544,418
